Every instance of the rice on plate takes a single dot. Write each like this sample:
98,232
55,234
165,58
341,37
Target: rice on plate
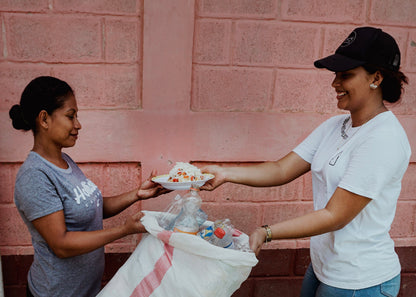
184,172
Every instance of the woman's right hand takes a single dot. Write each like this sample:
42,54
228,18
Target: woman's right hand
134,225
218,180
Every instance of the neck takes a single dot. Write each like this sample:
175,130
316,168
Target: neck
50,152
360,118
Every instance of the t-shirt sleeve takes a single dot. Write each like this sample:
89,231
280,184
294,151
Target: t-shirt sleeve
308,147
373,165
36,195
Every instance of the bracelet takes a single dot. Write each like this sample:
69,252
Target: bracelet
268,233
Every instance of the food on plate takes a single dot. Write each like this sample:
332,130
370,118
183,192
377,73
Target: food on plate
185,172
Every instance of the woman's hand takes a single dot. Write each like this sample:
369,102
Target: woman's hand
134,225
149,189
218,180
256,240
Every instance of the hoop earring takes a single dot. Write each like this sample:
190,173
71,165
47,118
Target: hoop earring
373,86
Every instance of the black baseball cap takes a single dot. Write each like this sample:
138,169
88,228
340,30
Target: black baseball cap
365,45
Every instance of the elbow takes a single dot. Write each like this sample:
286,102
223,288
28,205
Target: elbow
61,253
339,226
335,223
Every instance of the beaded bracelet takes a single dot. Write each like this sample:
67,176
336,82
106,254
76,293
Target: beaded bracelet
268,233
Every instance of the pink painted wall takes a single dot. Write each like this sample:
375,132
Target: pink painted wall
160,81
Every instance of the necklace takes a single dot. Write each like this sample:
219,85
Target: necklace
344,134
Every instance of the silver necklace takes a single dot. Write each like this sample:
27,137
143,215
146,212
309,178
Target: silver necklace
344,134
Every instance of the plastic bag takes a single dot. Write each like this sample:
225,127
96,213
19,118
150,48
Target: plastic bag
166,264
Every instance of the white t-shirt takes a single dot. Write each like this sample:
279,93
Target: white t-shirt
370,162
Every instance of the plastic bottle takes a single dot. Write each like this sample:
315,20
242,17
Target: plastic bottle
201,217
168,218
222,238
224,224
206,233
187,220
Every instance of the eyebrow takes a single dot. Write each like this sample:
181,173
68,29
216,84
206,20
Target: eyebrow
71,110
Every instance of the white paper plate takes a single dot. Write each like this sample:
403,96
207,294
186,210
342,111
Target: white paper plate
163,180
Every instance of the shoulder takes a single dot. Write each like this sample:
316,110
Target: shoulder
66,157
335,120
387,128
32,166
331,124
387,136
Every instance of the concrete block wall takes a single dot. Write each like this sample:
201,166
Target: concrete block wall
161,81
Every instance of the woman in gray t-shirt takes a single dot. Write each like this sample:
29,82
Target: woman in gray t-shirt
63,209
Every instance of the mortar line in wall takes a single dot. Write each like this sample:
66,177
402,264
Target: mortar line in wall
191,90
272,91
60,13
3,29
367,9
231,43
103,39
310,22
53,63
140,75
254,66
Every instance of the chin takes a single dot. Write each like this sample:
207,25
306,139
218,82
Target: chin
66,145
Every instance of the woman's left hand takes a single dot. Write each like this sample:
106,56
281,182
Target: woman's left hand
256,240
149,189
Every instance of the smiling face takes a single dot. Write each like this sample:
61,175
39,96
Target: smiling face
63,124
352,87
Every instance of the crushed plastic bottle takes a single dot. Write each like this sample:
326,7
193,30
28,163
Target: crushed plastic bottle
187,220
201,217
168,218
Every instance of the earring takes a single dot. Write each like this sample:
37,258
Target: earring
373,86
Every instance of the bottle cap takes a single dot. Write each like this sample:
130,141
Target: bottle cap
219,232
194,187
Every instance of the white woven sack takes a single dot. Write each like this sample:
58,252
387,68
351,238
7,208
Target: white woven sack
168,264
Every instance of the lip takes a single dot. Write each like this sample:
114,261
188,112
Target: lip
74,135
340,94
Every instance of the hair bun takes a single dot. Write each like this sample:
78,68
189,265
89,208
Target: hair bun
18,121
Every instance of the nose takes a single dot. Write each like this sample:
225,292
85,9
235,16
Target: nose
77,124
336,81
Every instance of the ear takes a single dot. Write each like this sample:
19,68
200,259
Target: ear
378,78
43,117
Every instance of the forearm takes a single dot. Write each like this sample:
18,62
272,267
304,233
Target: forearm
269,174
260,175
81,242
340,210
116,204
314,223
311,224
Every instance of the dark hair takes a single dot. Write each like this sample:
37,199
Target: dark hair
43,93
392,84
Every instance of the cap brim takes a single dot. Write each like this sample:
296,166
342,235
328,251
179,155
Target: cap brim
337,63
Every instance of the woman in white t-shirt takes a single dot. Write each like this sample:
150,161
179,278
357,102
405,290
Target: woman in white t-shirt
357,162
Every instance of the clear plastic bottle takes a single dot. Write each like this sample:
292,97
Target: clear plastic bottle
187,221
168,218
222,238
224,224
201,217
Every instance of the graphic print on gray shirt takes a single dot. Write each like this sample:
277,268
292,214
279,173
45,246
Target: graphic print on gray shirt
41,189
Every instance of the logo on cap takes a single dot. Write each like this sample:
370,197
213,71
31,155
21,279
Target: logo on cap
350,39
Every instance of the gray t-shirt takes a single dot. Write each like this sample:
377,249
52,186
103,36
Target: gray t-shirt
41,189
